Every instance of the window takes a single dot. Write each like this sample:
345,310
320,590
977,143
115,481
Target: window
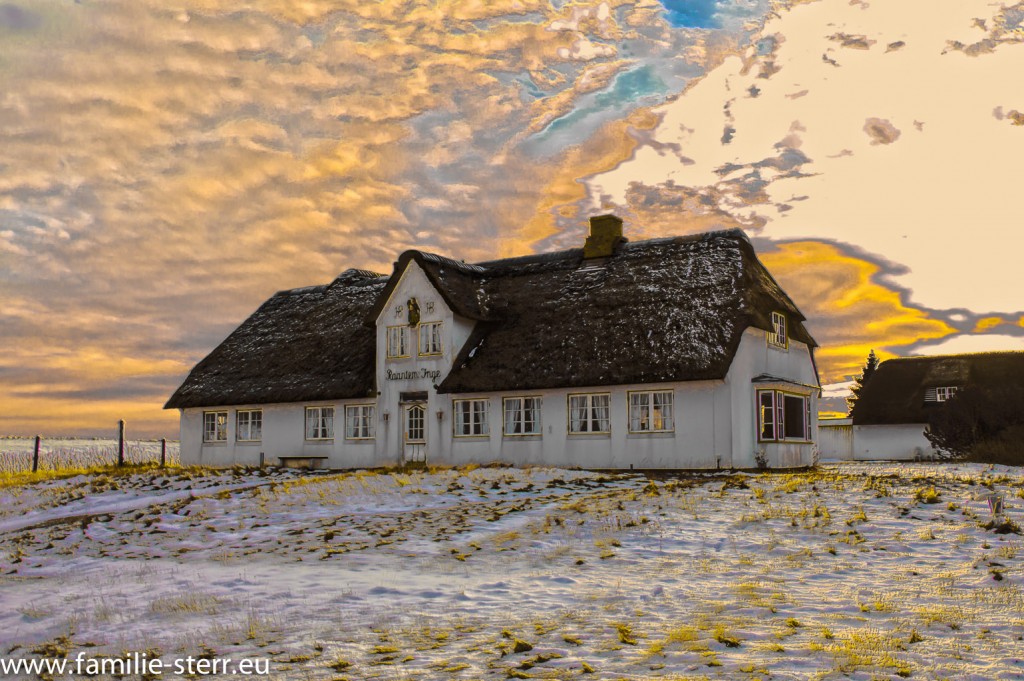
766,414
319,423
416,423
778,336
249,425
398,341
783,416
940,394
522,416
215,426
471,418
359,422
651,412
430,338
589,413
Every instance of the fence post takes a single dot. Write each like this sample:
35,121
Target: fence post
120,442
35,454
163,452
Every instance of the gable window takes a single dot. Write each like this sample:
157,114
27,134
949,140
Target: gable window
778,336
215,426
651,412
471,418
940,394
589,413
398,341
430,339
319,423
783,416
522,416
359,422
249,425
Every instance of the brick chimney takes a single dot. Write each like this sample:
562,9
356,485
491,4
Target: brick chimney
605,236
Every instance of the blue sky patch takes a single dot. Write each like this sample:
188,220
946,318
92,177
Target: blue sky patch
692,13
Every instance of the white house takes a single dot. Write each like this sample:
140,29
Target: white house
890,416
671,353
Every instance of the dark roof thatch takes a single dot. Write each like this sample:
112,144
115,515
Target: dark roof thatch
655,311
896,391
661,310
304,344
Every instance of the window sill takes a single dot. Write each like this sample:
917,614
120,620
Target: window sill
650,433
215,443
320,441
596,435
360,440
485,436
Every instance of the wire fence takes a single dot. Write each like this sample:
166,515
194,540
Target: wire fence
17,454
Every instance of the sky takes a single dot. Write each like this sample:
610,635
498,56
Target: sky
167,165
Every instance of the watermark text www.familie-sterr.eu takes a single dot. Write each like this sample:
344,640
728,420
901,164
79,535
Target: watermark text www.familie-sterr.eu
135,664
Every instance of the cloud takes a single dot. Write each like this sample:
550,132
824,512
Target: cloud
167,168
973,343
881,131
946,180
849,312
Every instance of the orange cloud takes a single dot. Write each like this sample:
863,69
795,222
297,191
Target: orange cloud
849,312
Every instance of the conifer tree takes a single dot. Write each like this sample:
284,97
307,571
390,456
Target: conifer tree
865,375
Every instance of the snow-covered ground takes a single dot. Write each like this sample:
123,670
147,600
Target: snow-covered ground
857,571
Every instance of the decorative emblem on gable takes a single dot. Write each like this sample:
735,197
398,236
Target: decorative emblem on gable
414,312
398,311
430,306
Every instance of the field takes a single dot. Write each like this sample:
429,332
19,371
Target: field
68,453
861,571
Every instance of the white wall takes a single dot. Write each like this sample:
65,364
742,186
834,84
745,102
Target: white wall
284,434
715,421
692,444
901,442
756,357
835,439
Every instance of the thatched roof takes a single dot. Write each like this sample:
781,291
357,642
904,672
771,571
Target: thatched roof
896,391
655,311
661,310
301,345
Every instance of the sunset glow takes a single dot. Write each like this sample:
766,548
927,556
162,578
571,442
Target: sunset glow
165,167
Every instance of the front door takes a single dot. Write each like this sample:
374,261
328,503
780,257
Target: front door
415,433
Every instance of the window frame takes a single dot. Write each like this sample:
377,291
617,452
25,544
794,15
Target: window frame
248,430
650,393
434,335
216,422
321,409
408,424
944,393
403,335
778,413
538,406
589,418
779,335
367,412
457,419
